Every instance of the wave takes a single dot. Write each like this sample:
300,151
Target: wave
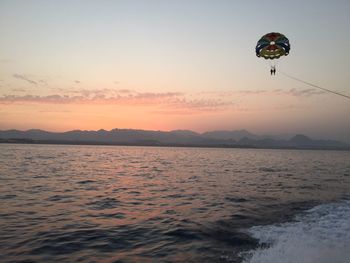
321,234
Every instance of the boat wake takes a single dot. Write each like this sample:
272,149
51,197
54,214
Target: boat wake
321,234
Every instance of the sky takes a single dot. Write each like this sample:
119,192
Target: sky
173,64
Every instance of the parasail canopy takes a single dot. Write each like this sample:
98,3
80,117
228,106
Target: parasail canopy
272,46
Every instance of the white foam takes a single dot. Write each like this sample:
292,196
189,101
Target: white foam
322,235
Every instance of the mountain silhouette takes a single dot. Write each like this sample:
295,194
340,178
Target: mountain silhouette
239,138
230,135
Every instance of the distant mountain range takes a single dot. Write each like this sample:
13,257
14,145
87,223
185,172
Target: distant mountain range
238,138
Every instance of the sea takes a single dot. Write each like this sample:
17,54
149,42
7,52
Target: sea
66,203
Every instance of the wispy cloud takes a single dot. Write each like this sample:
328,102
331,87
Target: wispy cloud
167,102
51,99
283,92
208,104
305,92
97,97
18,90
43,82
25,78
253,92
195,106
125,91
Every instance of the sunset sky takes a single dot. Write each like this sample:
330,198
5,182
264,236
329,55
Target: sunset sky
173,64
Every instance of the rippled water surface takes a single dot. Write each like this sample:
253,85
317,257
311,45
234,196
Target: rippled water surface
149,204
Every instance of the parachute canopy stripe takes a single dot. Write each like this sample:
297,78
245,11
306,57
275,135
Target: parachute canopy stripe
272,45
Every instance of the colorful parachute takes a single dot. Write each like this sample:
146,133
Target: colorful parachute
272,46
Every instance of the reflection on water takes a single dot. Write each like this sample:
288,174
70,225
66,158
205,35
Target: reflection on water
94,203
